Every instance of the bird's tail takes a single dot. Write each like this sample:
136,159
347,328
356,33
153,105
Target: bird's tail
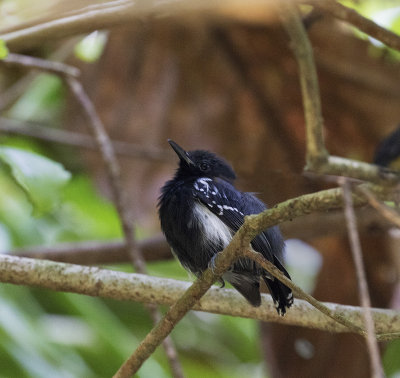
281,294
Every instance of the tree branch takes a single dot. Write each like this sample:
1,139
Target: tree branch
373,350
91,18
118,12
316,152
57,68
271,268
164,291
317,157
388,213
362,23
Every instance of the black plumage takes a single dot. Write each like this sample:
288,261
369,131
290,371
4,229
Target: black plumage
200,210
388,150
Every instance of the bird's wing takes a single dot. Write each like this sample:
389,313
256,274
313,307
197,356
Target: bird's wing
231,206
222,199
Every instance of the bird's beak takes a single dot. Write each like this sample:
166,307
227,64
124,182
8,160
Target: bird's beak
183,155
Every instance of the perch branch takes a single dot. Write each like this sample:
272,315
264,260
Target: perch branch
123,286
373,350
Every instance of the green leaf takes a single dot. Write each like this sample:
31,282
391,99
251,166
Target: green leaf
90,48
39,177
3,49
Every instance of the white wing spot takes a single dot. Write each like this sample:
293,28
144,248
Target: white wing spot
202,185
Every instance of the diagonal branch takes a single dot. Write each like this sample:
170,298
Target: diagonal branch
271,268
114,176
388,213
362,23
253,225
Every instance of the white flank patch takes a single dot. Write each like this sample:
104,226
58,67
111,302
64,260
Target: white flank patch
212,227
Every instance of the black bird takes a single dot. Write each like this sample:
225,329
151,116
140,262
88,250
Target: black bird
388,151
200,210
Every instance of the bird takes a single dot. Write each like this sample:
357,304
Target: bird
200,210
387,153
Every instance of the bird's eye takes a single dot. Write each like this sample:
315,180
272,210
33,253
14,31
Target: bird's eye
204,166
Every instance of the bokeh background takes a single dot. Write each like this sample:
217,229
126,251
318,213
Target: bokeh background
224,81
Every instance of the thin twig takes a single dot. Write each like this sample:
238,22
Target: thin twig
388,213
354,18
114,175
12,93
112,165
376,363
123,286
76,139
41,64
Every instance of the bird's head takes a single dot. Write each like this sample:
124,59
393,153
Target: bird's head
201,163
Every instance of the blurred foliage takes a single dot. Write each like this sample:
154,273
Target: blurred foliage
90,48
51,334
40,178
3,49
42,102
